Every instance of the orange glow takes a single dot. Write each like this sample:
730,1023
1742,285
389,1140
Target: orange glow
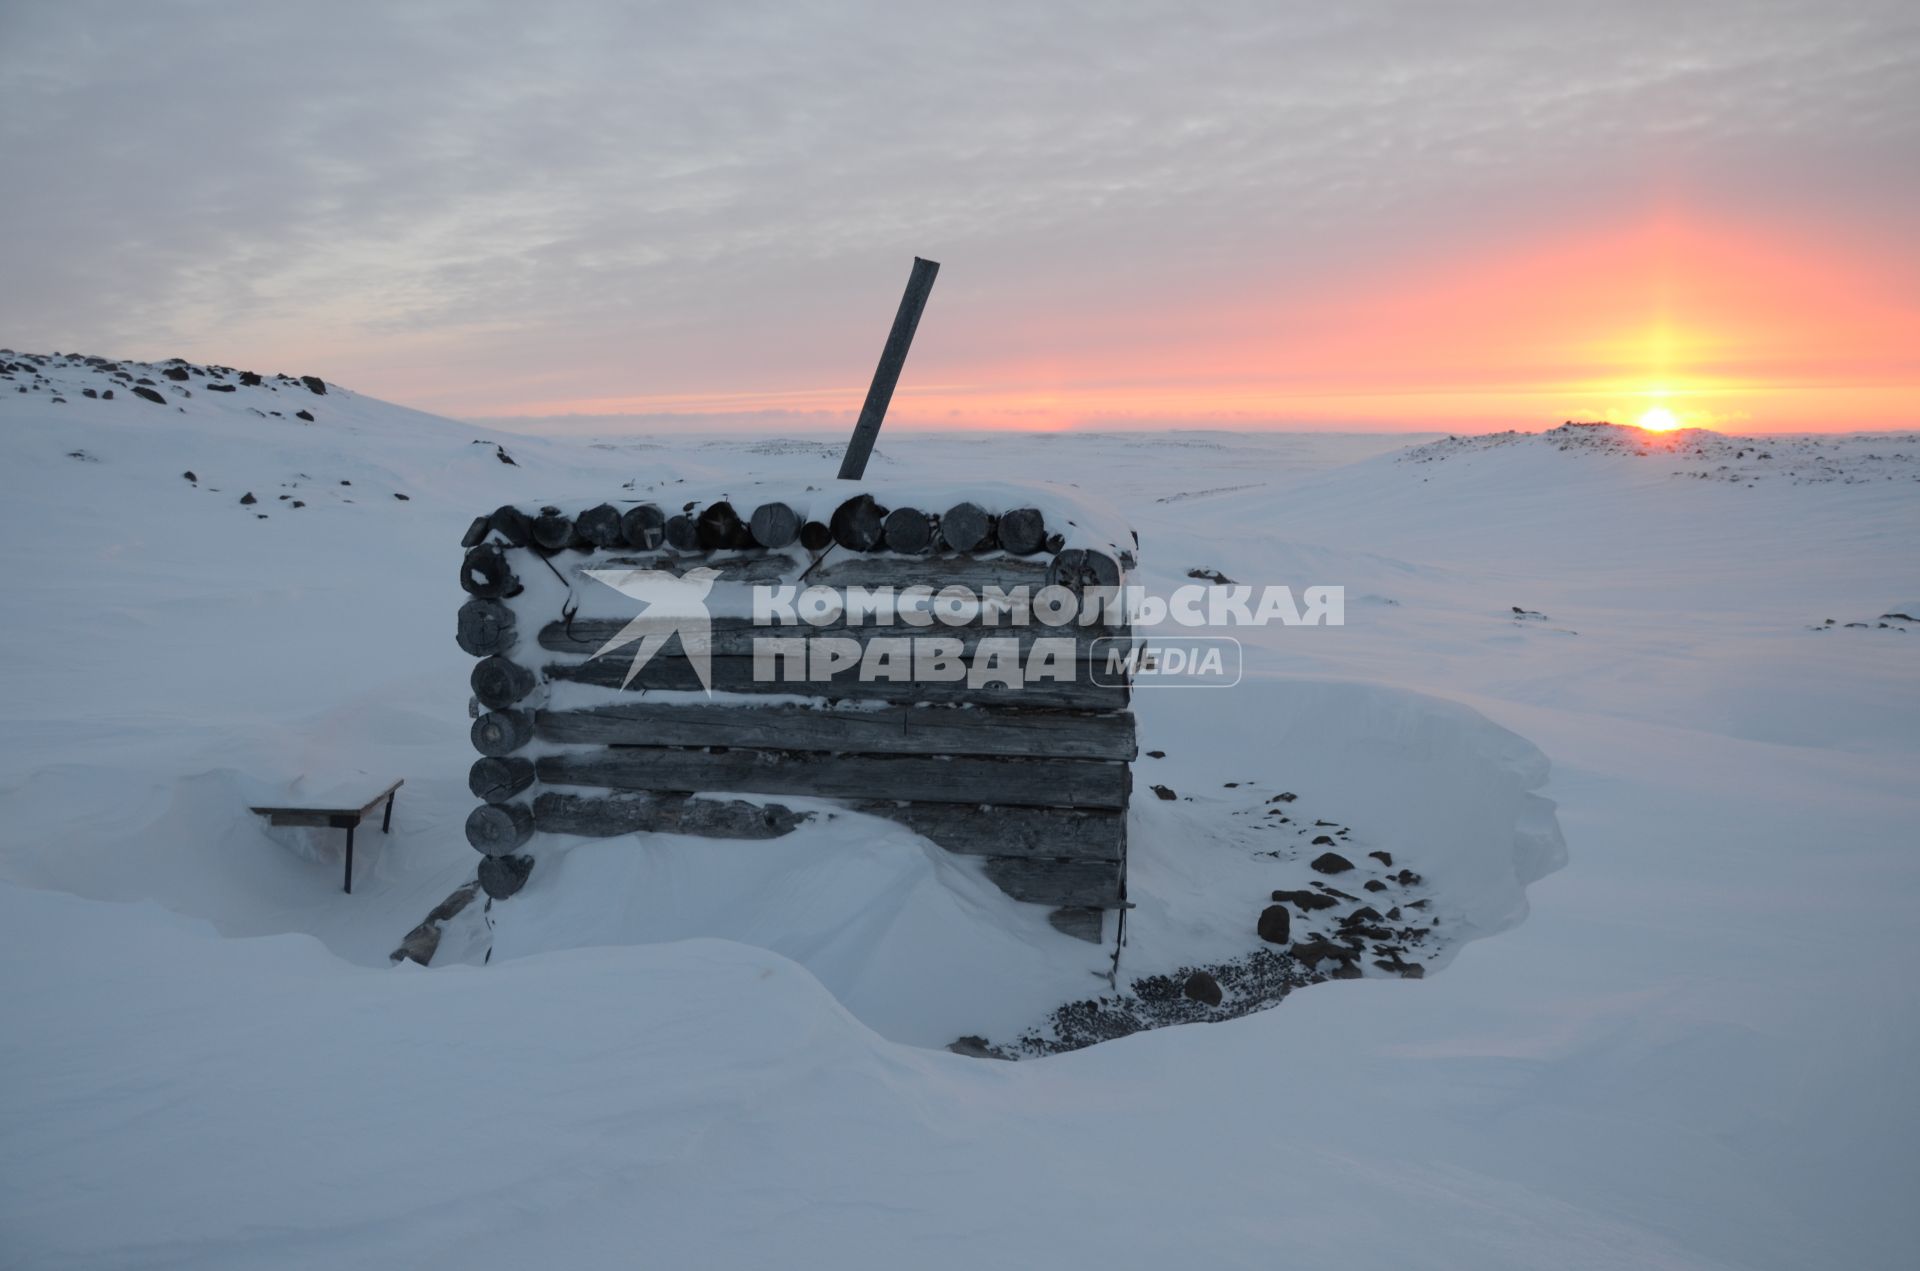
1739,325
1659,419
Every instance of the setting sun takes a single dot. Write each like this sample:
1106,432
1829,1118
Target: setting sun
1659,419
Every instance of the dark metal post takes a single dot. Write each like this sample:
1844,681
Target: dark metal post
386,822
349,860
887,374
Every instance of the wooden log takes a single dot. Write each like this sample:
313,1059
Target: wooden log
736,637
719,528
774,525
966,527
485,626
644,527
495,779
893,730
908,531
1081,568
1080,922
815,536
1071,783
501,732
1023,531
503,876
476,532
859,524
607,816
683,535
967,829
498,828
1092,884
738,569
1054,542
485,572
500,682
552,530
600,526
736,675
511,524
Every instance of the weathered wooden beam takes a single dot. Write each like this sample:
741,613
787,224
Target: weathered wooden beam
1080,922
736,675
1059,783
606,816
886,376
733,637
499,682
495,779
966,527
966,829
892,730
485,626
1093,884
501,732
498,828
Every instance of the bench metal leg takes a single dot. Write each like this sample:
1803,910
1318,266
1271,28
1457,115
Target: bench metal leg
350,860
386,822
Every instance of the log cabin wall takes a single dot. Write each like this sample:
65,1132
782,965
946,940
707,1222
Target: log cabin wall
573,740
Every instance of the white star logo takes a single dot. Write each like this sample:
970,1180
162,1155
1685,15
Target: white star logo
670,604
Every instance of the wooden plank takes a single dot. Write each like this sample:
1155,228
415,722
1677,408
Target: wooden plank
1079,922
326,815
893,356
838,569
734,637
736,675
1060,783
607,816
1093,884
1033,833
891,730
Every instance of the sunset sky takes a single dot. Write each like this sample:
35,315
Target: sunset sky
1422,215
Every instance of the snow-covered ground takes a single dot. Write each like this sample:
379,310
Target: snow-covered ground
1690,1046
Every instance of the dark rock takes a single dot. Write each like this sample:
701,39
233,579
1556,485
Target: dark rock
175,372
90,392
315,383
1306,901
106,395
1347,971
1202,987
303,414
1212,576
247,499
297,503
1320,949
404,498
188,474
149,394
1374,884
1164,792
1407,878
1285,796
220,388
500,453
1322,840
1156,754
1366,913
974,1047
250,379
144,380
1331,863
502,876
1394,913
1385,858
1276,924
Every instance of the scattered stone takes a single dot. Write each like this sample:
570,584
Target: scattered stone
500,453
175,372
1385,858
316,384
1285,796
220,388
1275,925
149,394
1212,576
1374,884
297,503
106,395
90,392
404,498
1407,878
247,499
1331,863
1201,986
188,474
1156,754
1306,901
1366,913
977,1048
1321,840
1164,792
250,378
303,414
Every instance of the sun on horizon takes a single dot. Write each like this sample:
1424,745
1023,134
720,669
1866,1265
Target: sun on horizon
1659,419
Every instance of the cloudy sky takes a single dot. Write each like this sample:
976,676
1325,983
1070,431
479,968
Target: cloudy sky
1419,214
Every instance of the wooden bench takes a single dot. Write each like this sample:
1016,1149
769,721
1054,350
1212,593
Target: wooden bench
336,818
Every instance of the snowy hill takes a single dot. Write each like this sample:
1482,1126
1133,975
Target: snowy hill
1684,1054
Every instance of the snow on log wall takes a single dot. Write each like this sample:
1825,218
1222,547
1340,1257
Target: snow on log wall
718,722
